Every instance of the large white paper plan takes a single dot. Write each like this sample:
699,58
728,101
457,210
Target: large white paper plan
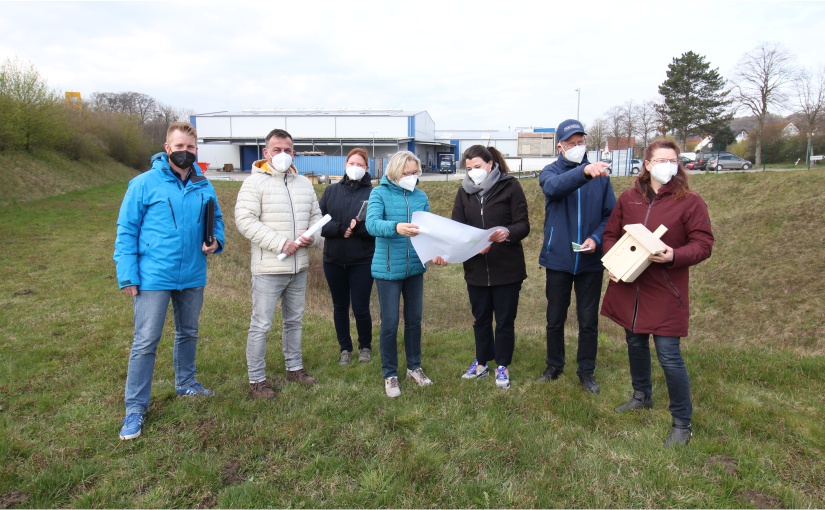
454,241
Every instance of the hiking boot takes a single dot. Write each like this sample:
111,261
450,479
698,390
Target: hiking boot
194,390
419,377
391,387
502,377
680,434
300,376
132,426
365,355
588,382
346,357
476,371
638,401
261,389
551,374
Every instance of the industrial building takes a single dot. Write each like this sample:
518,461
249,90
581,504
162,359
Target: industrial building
324,137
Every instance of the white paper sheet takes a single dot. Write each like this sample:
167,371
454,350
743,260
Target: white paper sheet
454,241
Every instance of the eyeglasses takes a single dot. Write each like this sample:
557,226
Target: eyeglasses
569,145
662,160
407,175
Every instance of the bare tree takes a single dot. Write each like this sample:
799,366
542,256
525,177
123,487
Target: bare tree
614,119
597,134
760,82
810,94
646,121
629,121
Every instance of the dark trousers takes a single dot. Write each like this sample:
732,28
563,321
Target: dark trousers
500,301
588,287
669,352
350,284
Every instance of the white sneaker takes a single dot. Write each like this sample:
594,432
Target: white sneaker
391,387
419,377
502,377
476,371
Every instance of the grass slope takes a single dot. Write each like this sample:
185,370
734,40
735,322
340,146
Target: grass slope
28,176
755,355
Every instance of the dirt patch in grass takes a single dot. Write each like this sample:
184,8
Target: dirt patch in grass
759,499
231,473
727,463
12,499
209,501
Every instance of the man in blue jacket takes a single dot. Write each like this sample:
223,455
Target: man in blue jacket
160,256
578,200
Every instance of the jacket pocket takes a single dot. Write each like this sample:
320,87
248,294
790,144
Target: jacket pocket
673,287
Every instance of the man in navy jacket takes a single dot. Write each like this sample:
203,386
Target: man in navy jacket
578,200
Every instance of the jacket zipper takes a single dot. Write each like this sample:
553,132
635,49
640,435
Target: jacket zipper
578,228
483,226
408,239
173,212
673,286
635,309
200,212
294,225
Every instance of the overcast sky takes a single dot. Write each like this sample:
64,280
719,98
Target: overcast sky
470,64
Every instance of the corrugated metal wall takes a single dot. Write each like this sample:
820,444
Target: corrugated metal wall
329,165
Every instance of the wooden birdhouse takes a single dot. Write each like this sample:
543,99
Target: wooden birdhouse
628,257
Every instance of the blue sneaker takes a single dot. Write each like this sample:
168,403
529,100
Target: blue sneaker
132,425
194,390
476,371
502,377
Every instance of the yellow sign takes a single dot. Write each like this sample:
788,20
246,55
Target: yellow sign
73,100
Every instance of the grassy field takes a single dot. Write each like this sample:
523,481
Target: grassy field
756,355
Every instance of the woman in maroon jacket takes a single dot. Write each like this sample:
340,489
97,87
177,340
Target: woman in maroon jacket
657,302
490,197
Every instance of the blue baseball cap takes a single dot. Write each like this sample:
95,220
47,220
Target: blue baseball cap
569,128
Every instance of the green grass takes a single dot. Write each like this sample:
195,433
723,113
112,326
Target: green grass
755,356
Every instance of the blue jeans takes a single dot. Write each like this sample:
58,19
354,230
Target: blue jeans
150,314
291,289
389,297
588,287
350,284
670,358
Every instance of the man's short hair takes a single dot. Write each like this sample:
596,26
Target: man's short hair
278,133
184,127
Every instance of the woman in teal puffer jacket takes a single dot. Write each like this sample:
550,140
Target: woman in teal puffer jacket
396,267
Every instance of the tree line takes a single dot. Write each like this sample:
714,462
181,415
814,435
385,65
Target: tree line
126,126
696,101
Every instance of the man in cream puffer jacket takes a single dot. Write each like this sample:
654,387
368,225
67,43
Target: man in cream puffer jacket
275,207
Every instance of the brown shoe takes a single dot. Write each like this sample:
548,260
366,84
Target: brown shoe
261,390
300,376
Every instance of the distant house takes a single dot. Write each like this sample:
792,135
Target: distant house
742,135
621,143
789,131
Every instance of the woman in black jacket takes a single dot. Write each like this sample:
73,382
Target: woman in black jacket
348,251
489,197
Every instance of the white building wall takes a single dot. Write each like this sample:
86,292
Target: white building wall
424,127
311,127
209,127
219,154
369,127
255,127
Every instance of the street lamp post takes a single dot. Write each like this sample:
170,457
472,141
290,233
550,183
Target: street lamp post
578,101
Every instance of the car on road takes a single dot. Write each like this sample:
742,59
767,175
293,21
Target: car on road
632,167
687,162
703,157
728,162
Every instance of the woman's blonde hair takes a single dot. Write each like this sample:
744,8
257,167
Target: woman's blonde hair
397,162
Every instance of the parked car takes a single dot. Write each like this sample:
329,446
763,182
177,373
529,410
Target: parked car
728,162
634,166
703,157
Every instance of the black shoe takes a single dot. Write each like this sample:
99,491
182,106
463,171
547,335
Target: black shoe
551,374
680,434
588,382
638,401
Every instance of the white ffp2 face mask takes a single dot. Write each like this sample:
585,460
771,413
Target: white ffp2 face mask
281,162
663,172
477,174
575,154
408,182
355,172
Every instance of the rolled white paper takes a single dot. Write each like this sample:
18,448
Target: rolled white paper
311,231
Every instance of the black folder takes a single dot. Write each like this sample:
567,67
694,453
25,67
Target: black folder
209,223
